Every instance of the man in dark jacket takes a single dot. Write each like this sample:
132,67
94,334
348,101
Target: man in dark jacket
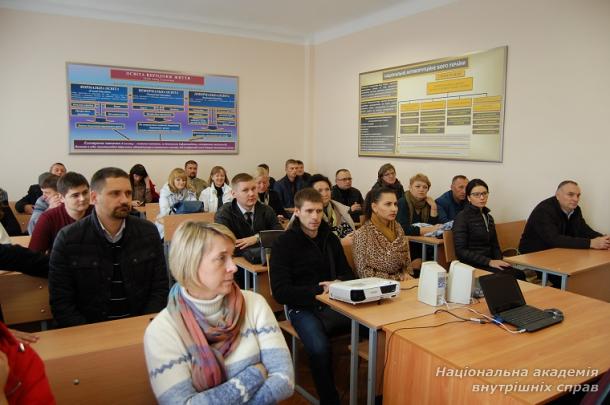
453,201
305,260
245,216
110,264
287,186
557,222
347,195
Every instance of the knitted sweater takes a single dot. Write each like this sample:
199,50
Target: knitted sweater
261,341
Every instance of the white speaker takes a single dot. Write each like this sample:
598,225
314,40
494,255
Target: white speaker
459,283
432,282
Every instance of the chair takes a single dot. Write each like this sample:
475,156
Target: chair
509,236
151,211
23,219
347,244
449,246
24,299
171,222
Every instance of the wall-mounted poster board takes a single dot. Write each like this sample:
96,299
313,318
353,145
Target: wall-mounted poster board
449,108
131,110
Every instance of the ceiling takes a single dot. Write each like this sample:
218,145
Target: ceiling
293,21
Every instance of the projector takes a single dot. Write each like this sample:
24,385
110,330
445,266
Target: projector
364,290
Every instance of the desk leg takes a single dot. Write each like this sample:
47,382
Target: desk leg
254,280
353,375
435,253
564,281
246,280
423,252
544,276
371,387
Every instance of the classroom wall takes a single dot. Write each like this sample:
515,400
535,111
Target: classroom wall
34,49
557,102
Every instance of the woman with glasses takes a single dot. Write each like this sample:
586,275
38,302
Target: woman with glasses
474,233
386,177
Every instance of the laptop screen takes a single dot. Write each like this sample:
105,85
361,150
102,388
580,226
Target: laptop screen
501,292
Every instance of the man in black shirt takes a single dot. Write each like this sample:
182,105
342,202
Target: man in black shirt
344,193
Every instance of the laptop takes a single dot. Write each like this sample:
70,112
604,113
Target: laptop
506,303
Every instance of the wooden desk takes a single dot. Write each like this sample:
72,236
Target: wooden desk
417,358
24,298
21,240
101,363
588,270
260,281
427,241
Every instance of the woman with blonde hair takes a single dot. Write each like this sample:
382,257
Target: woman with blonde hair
219,191
172,192
214,343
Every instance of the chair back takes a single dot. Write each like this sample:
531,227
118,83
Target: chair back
347,243
151,211
509,236
449,246
171,222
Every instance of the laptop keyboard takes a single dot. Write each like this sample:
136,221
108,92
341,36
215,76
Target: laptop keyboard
524,315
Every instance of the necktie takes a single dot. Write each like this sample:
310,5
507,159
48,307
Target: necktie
249,219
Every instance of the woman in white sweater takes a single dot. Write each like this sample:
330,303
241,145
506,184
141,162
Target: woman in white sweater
175,190
214,344
219,191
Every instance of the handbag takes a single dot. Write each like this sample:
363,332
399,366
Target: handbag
187,207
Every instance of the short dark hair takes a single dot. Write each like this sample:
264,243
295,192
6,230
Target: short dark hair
43,176
458,177
300,162
264,165
98,180
190,162
563,183
240,178
374,196
57,164
473,183
316,178
70,180
307,194
49,182
290,162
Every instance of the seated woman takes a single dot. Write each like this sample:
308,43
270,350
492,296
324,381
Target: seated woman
416,206
266,195
474,233
219,191
386,177
214,343
144,190
335,214
172,192
381,248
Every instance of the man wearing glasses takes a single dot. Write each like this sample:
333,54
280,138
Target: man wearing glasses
557,222
344,193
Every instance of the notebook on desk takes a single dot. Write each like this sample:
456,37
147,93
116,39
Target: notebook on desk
506,303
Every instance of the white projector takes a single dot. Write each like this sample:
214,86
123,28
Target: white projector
364,290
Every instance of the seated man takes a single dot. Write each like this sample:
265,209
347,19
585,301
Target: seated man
557,222
288,185
192,181
110,264
347,195
26,204
305,260
50,199
74,190
452,201
301,171
245,216
271,179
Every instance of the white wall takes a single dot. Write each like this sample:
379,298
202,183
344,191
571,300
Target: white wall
557,97
34,49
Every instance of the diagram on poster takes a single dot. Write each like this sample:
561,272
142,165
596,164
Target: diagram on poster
129,110
450,108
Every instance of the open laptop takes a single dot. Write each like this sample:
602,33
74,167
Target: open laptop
506,303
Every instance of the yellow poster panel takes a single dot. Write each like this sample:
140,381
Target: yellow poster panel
447,108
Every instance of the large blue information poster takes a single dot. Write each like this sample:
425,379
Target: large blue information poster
130,110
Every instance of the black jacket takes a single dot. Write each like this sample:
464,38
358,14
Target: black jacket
9,221
18,258
275,203
283,187
348,197
81,267
230,216
297,265
549,227
30,198
476,242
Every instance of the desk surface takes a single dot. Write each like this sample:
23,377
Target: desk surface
246,265
21,240
566,261
578,343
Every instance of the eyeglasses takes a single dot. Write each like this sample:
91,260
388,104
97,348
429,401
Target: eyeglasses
345,179
483,194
